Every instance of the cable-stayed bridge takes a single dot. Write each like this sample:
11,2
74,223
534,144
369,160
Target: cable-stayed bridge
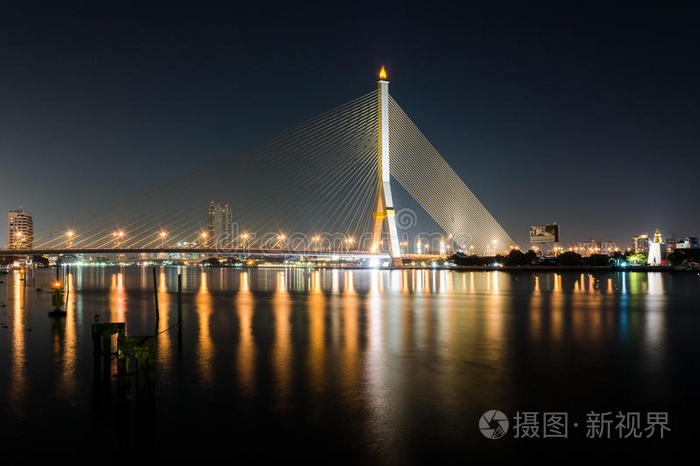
322,186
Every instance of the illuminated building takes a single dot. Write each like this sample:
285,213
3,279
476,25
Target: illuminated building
689,242
608,247
20,229
641,242
587,248
220,225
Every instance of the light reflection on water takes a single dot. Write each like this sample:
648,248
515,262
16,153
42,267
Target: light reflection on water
384,349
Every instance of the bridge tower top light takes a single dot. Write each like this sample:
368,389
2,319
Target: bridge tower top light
382,74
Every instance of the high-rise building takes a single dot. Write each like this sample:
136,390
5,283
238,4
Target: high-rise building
641,242
20,229
220,225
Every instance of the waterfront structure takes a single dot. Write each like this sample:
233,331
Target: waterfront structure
220,226
591,246
586,248
641,243
688,242
20,229
384,212
654,257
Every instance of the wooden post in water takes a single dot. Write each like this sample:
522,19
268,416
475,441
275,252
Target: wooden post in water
179,299
179,309
67,274
155,296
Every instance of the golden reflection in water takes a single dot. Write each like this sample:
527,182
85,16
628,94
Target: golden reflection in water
17,382
405,282
444,313
536,310
425,277
495,316
205,346
317,354
417,281
423,318
350,313
281,309
245,304
334,281
446,285
376,364
557,309
395,280
578,310
117,298
495,289
164,338
69,360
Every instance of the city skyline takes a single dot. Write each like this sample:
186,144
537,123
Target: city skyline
580,150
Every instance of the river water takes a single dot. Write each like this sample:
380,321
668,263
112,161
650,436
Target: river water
346,366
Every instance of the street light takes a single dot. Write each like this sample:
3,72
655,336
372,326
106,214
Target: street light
118,236
162,239
281,240
69,234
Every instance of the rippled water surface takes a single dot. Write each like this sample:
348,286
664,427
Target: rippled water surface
344,366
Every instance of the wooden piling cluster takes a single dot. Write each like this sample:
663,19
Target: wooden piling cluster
136,355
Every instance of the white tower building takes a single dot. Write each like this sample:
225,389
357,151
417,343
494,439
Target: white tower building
654,257
384,204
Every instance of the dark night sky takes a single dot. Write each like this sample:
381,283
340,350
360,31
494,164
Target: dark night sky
585,114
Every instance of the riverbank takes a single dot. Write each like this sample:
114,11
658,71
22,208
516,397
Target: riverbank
572,268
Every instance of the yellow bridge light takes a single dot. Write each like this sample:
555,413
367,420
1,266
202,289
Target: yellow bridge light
382,74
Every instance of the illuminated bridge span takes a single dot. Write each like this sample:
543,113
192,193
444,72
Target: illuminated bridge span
322,186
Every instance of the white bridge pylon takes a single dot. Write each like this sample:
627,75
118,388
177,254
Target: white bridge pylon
384,212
